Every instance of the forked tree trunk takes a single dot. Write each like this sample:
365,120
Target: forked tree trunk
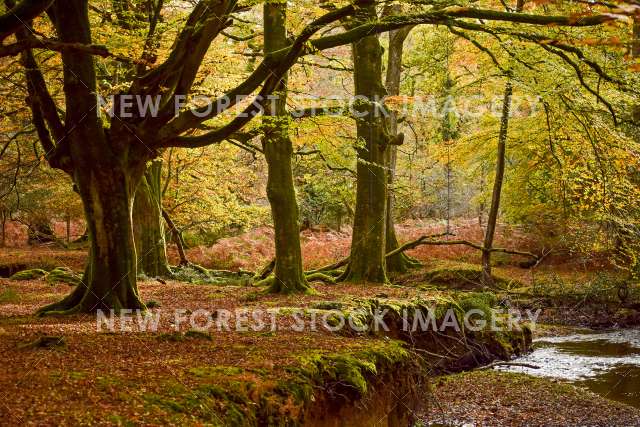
368,245
288,272
400,262
104,175
151,247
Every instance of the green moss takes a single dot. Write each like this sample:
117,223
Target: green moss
77,375
215,371
32,274
9,296
458,275
194,333
201,275
63,275
210,403
173,336
353,369
119,420
327,305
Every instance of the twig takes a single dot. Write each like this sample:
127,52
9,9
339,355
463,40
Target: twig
494,364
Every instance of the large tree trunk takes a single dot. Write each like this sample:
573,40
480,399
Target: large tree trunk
278,149
105,175
400,262
109,280
148,224
368,244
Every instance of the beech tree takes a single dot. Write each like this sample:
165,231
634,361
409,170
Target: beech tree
288,274
107,160
400,262
494,209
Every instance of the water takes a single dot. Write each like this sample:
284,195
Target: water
607,363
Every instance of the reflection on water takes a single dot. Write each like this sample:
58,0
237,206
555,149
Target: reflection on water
606,363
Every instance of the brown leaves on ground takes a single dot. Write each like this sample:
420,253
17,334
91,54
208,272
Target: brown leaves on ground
106,378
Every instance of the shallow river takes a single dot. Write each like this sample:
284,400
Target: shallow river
608,363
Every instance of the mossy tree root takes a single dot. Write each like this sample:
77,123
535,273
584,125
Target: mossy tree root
320,277
275,286
85,299
401,263
265,271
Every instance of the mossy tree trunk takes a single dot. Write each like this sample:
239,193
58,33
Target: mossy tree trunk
278,149
398,263
109,281
368,244
148,227
106,168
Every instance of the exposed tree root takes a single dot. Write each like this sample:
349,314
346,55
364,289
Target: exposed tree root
265,271
84,300
401,263
334,266
320,277
276,286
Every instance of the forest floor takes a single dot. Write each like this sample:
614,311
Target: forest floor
178,375
143,378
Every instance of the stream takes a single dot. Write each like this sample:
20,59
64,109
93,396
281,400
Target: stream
607,363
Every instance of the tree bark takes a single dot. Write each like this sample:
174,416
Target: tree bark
151,247
177,238
494,209
109,281
278,149
3,241
400,262
497,186
104,176
368,244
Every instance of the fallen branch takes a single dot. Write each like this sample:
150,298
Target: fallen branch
494,364
330,267
414,244
424,240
